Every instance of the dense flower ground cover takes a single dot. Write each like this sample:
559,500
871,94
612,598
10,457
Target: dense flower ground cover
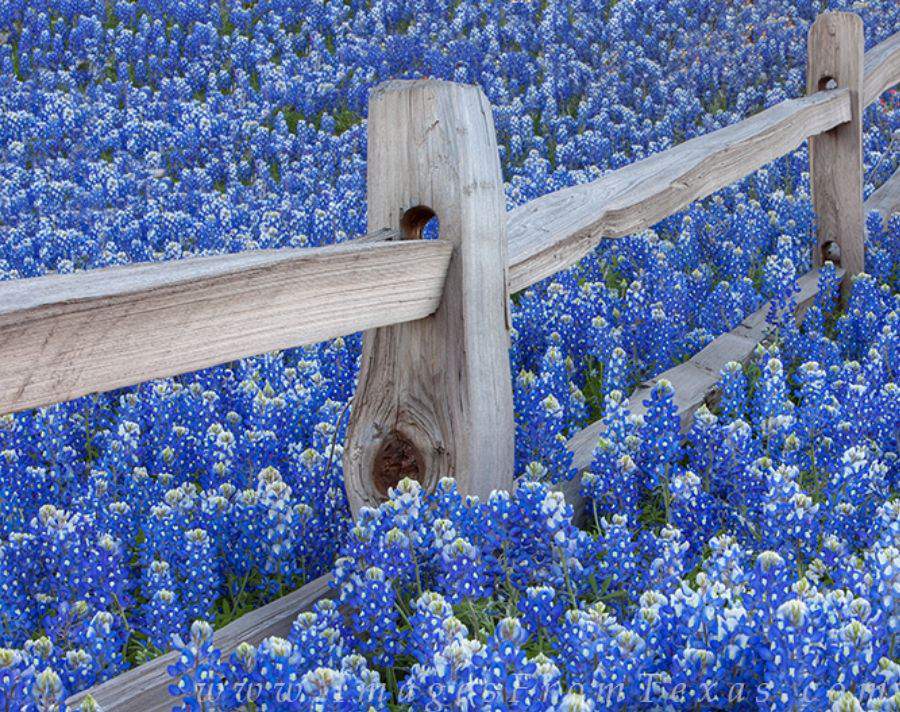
760,556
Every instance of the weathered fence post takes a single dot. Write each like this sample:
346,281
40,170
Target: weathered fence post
835,60
434,395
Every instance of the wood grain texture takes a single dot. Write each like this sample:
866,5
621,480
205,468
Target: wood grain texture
881,68
886,200
695,382
835,55
434,395
63,336
555,231
146,687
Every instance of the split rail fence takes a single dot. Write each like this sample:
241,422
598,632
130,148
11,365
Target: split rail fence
434,395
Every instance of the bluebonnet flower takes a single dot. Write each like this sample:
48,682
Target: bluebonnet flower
374,622
165,618
660,436
789,516
17,673
540,607
670,562
461,573
200,584
620,563
855,491
432,627
197,669
733,383
694,511
353,686
449,677
542,420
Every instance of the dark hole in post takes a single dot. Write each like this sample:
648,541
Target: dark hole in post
831,252
419,223
396,459
827,83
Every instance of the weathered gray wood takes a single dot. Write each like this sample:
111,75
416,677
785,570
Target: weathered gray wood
380,236
64,336
695,382
882,68
555,231
886,200
146,687
835,57
434,396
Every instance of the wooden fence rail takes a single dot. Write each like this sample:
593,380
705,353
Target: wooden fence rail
146,688
881,68
886,200
695,381
555,231
65,336
434,395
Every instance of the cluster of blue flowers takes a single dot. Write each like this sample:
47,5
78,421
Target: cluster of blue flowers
752,563
168,509
139,130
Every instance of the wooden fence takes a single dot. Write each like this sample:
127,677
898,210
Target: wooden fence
434,395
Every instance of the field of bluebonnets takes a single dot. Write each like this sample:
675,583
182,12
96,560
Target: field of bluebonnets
753,565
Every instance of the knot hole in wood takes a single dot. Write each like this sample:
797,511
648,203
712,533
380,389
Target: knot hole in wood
396,459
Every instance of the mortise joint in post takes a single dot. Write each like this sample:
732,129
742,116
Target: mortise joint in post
414,220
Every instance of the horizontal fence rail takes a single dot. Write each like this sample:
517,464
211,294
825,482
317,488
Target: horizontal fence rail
695,381
64,336
557,230
146,687
886,200
881,68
